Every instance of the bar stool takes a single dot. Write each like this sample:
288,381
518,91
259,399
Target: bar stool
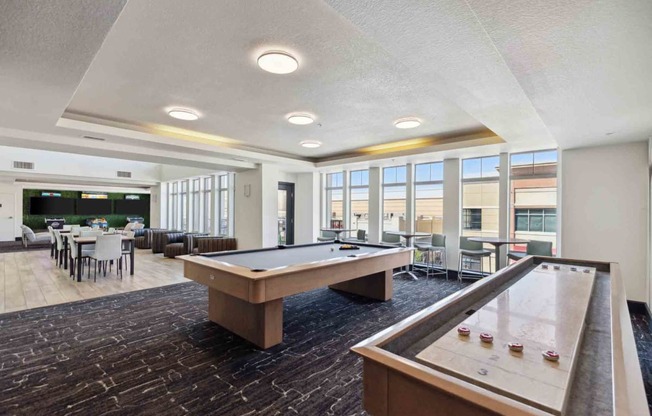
436,247
473,250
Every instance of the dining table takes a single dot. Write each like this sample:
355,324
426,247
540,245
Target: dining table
82,241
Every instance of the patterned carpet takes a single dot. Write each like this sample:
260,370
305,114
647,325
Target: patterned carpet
154,352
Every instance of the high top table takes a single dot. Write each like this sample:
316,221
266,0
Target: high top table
408,243
497,242
337,231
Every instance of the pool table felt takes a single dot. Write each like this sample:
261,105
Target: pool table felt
289,256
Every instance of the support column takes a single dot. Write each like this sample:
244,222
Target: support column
503,205
452,210
375,205
346,199
409,197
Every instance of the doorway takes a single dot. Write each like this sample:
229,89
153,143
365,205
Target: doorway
7,214
285,213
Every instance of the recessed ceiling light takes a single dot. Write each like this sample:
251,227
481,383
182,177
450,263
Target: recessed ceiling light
277,63
311,144
407,123
300,119
183,114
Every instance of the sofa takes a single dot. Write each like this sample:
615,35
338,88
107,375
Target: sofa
179,244
143,238
158,239
30,237
214,244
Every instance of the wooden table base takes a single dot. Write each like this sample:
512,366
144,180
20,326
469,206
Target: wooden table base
262,323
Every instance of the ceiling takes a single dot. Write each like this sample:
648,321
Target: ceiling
499,75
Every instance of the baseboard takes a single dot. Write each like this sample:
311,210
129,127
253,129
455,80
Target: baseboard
639,307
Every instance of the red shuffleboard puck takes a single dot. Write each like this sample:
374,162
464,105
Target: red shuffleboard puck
550,355
464,331
486,337
515,346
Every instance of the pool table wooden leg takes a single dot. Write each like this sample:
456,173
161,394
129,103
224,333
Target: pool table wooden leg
258,323
376,286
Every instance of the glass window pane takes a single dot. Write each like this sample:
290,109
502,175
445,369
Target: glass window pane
400,174
422,173
364,180
536,222
548,156
437,171
490,166
471,168
389,175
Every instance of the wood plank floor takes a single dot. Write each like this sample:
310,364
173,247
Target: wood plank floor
30,279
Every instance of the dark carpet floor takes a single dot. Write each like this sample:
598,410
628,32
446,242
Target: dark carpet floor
642,326
154,352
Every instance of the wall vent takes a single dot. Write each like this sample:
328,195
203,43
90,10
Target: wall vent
23,165
123,174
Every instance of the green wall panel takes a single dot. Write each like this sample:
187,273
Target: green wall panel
37,222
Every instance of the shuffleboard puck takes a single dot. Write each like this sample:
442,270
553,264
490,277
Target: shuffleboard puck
486,337
465,331
515,346
550,355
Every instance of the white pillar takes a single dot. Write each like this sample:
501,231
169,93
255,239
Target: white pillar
503,204
307,208
409,198
346,200
375,205
452,210
256,198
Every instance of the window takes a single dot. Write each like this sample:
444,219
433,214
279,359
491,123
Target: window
429,197
359,188
536,220
191,206
480,200
394,206
533,197
472,219
207,205
334,200
223,205
195,205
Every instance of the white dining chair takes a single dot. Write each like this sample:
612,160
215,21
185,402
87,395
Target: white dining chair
90,233
107,247
85,255
126,251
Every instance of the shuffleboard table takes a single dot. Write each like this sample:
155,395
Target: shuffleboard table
246,288
543,336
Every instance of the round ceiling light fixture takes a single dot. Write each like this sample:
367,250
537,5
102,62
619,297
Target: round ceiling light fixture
278,62
301,119
407,123
183,114
311,144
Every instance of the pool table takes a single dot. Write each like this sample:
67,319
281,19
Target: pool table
246,287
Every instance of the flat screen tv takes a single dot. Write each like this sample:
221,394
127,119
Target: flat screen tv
131,207
51,206
93,206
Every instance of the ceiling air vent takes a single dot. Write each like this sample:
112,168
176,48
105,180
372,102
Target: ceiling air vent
123,174
23,165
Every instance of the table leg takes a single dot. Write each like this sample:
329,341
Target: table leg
131,256
258,323
65,252
410,267
499,258
375,286
78,261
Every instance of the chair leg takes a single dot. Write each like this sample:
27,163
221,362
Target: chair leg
95,274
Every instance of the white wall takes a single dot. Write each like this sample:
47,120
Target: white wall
605,209
56,164
306,208
7,187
